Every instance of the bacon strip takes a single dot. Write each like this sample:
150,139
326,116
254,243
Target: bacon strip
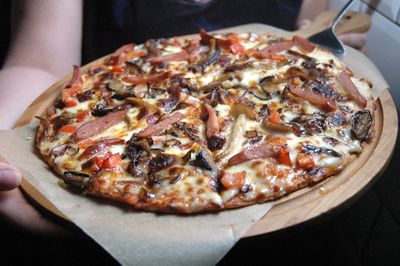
95,127
232,43
76,77
125,48
274,48
262,151
120,54
140,79
73,87
212,122
276,127
193,47
320,101
303,44
206,39
161,126
100,147
271,50
349,86
180,56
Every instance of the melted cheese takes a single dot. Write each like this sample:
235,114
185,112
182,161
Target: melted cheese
265,178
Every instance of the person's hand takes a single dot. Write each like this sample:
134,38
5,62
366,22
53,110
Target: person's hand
355,40
15,209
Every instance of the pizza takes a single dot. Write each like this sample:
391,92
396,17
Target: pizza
207,123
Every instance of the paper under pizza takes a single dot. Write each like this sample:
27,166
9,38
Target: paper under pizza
204,124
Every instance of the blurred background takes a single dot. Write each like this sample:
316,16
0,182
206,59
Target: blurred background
366,233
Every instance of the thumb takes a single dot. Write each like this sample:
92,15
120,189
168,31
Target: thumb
10,177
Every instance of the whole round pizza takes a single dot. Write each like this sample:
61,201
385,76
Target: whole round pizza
204,124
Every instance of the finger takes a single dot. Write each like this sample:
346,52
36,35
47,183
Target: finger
364,49
304,24
356,40
10,177
15,209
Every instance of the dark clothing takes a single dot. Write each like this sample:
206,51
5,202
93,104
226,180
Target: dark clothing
109,24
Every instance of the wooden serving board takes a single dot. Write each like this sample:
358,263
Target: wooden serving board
307,204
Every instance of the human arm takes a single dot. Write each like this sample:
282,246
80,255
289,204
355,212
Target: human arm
46,43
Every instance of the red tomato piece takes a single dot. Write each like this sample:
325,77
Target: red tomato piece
277,57
118,69
304,44
305,161
233,180
274,117
284,157
237,48
83,116
70,102
112,161
68,129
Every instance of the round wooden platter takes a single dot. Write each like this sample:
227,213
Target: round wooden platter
304,205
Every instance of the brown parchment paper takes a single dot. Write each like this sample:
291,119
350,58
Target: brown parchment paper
132,238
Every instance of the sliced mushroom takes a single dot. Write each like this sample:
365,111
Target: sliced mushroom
215,142
276,127
60,149
214,53
204,160
160,162
115,85
67,148
133,67
243,107
259,93
141,103
313,149
85,96
76,179
236,137
361,124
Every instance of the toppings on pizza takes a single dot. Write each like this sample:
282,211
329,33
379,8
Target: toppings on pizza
95,127
361,123
233,180
204,124
142,79
354,94
180,56
72,89
160,126
263,151
212,122
320,101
